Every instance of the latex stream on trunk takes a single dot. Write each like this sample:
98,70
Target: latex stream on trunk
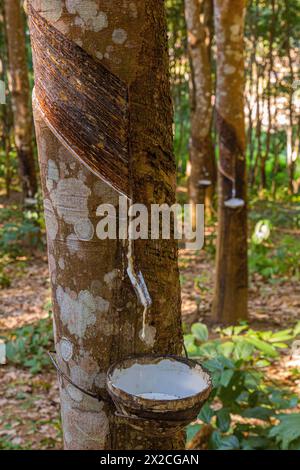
138,282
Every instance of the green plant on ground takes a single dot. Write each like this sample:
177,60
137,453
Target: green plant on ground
273,253
27,346
5,281
19,228
20,232
246,408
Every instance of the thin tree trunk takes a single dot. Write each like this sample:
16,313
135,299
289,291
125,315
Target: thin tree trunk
230,296
276,141
208,21
259,77
276,165
201,147
97,317
252,24
5,111
20,92
264,158
291,147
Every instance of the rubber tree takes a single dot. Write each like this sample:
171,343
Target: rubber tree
230,296
202,158
20,96
97,317
5,111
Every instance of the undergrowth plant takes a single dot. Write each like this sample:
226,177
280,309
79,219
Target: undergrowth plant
21,231
27,346
274,248
247,409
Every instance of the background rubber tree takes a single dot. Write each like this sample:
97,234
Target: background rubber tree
6,118
202,159
230,296
20,96
97,317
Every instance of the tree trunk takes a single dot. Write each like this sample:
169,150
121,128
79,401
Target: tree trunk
202,156
265,157
230,297
5,111
20,91
291,141
97,317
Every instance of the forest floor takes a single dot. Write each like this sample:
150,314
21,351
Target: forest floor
272,305
29,401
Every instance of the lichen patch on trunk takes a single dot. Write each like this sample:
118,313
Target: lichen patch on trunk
78,312
51,10
71,200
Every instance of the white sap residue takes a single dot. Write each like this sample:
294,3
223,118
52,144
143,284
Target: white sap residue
143,335
138,282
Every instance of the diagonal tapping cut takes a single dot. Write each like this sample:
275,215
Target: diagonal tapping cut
78,94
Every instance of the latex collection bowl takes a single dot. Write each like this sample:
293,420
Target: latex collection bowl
158,394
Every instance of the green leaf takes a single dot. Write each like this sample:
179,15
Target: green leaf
200,331
296,330
258,412
295,445
281,336
228,363
189,342
252,379
10,351
288,430
264,347
255,443
209,349
226,348
243,350
223,420
262,363
214,365
228,331
238,329
188,339
280,345
226,377
191,431
264,335
206,414
220,442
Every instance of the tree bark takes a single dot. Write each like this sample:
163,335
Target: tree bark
291,141
202,156
97,317
6,119
265,157
230,296
20,93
